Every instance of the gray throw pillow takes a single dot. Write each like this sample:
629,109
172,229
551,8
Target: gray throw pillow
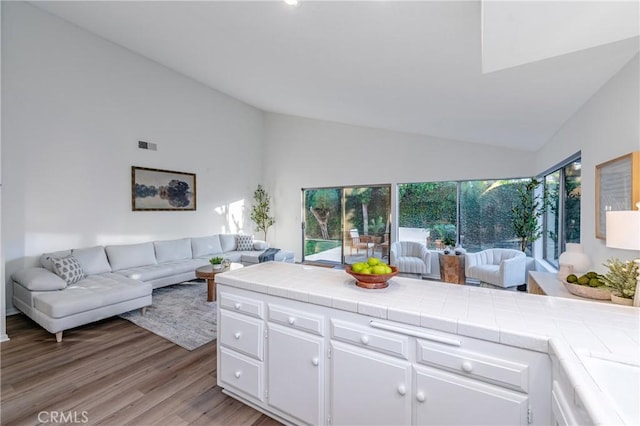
68,268
244,242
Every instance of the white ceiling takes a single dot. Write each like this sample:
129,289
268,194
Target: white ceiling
405,66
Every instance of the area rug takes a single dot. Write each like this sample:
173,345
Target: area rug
180,313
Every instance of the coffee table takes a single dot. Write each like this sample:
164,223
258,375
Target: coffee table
208,273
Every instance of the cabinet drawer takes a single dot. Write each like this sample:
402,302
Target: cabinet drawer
296,319
242,334
388,343
242,373
482,367
232,302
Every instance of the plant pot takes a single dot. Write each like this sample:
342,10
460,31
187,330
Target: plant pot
618,300
217,266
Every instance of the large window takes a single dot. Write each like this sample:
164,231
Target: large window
562,220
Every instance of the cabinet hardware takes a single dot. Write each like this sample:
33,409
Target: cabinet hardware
237,305
291,320
402,390
364,339
420,396
238,374
237,335
467,367
315,361
415,333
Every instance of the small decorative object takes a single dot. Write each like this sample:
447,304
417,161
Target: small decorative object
589,285
622,279
372,281
459,250
576,258
217,262
564,271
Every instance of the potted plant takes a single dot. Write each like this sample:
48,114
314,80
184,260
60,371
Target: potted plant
622,278
216,262
260,210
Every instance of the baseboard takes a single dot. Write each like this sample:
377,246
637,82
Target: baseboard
4,338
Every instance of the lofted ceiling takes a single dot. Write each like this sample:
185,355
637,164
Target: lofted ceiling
412,67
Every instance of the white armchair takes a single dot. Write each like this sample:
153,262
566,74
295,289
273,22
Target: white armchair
502,268
410,257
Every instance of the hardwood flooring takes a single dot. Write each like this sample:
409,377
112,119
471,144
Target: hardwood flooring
111,373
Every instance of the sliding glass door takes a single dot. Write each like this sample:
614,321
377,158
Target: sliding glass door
346,224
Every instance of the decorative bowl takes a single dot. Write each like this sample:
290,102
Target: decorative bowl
371,280
599,293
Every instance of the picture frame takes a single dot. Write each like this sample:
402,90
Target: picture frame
617,187
162,190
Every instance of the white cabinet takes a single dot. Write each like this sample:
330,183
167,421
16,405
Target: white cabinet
368,388
274,354
296,373
442,398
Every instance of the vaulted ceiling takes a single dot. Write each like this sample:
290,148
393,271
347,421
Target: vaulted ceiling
413,67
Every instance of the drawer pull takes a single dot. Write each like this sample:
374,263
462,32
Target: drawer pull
364,339
291,320
467,367
315,361
237,305
420,396
237,335
238,374
415,333
402,390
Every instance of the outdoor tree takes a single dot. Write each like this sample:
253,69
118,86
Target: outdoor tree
320,206
260,210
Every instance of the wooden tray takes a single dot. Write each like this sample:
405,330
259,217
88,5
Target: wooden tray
599,293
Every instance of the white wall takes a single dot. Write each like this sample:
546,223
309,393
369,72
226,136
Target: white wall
605,127
303,153
74,108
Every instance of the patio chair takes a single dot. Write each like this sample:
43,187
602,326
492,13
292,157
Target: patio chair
358,244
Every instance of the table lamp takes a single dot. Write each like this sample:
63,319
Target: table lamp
623,232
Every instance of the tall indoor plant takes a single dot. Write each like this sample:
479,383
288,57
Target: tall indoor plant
260,210
527,211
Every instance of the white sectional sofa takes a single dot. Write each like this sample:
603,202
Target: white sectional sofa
119,278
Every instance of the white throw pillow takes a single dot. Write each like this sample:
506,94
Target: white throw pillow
260,245
244,242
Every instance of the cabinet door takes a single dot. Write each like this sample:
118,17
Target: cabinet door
448,399
368,388
295,368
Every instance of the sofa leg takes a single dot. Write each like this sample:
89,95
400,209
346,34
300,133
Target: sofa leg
59,336
143,310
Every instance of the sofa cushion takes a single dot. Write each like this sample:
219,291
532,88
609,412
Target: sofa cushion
166,251
93,260
205,246
163,270
68,268
93,292
131,255
45,259
260,245
244,242
38,279
227,242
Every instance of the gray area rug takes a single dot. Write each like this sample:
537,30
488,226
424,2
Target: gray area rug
180,313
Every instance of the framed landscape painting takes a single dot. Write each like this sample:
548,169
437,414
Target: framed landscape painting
154,189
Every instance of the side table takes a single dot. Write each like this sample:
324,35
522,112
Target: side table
208,273
452,268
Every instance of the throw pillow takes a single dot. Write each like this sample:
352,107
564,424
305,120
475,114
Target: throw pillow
68,268
244,242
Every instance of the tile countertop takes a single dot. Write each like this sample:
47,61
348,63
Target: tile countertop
567,328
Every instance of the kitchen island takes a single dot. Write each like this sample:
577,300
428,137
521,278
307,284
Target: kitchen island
305,345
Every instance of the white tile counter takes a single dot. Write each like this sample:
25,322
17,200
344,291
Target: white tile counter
567,328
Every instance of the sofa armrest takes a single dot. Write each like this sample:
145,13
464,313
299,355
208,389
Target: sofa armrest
425,254
38,279
513,270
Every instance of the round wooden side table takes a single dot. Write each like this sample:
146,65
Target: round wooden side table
208,273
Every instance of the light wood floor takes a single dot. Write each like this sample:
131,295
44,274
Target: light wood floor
115,373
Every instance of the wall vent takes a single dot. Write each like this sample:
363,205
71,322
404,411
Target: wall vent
147,145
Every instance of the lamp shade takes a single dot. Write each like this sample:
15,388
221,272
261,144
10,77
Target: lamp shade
623,229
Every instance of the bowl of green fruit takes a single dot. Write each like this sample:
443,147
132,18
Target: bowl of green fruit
588,285
371,274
